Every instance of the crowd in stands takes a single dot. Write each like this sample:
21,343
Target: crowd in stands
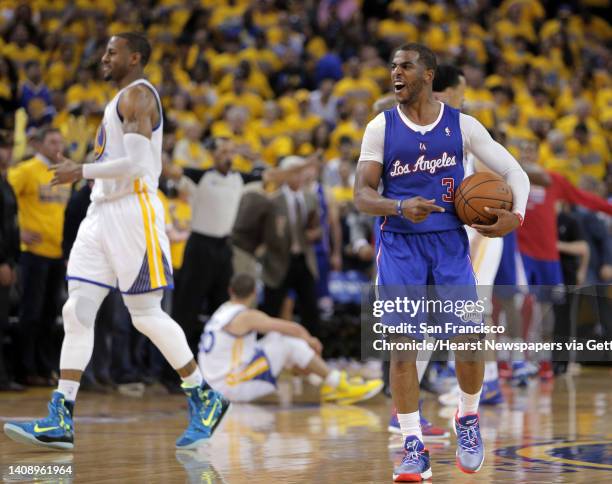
287,78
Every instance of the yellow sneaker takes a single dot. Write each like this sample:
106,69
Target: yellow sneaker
350,391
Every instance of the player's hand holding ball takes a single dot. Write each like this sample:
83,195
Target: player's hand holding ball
484,202
417,209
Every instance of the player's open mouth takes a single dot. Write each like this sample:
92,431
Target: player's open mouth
398,86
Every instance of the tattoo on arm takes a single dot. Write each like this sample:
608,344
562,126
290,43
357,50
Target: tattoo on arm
138,106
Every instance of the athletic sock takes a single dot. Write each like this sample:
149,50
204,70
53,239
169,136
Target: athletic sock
421,367
68,388
333,378
468,404
410,424
193,380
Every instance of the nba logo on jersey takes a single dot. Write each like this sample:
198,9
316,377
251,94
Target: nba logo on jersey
447,131
100,142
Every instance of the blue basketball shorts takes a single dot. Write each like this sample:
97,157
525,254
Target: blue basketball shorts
432,266
544,277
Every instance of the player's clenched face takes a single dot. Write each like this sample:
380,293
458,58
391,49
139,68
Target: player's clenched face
409,76
117,59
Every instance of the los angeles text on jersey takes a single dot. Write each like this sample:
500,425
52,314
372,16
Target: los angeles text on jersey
422,164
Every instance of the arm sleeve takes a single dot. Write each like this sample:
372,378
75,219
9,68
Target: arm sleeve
571,194
373,143
479,142
139,156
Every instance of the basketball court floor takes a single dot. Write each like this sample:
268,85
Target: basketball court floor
546,433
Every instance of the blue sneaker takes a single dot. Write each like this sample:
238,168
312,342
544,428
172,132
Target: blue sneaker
206,410
491,393
394,426
415,465
470,447
428,429
56,431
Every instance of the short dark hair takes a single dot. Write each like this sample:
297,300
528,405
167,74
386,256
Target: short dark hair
137,43
426,55
242,285
446,76
44,132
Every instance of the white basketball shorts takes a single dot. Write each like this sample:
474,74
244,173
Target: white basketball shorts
123,243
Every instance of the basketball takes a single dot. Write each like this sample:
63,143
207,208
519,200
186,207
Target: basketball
478,191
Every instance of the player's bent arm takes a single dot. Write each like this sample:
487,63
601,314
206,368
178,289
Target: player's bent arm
255,320
498,159
365,194
577,248
138,106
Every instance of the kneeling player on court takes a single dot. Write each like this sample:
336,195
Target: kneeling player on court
244,368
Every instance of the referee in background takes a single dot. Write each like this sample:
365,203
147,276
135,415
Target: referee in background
207,265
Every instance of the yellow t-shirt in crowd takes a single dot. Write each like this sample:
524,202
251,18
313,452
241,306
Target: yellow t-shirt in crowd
594,155
180,217
41,206
363,88
391,29
478,103
342,194
296,122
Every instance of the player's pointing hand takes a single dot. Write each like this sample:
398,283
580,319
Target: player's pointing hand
417,209
506,223
67,171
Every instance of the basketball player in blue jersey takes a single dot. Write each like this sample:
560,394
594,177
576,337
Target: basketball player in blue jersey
122,242
417,151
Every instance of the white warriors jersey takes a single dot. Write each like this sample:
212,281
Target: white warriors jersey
222,355
109,146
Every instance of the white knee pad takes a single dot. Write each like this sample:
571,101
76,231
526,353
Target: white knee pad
149,318
79,315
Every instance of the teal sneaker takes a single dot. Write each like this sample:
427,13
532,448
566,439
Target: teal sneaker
206,410
56,431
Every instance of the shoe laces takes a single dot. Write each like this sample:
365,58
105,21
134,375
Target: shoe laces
412,452
469,438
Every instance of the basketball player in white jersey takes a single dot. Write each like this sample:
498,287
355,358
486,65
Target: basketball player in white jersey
244,368
122,243
485,252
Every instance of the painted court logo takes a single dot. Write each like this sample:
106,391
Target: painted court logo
423,165
565,456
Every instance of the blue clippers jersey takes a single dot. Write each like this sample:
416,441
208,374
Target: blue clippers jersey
429,165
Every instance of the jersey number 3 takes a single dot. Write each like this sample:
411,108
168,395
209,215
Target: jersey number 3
449,196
